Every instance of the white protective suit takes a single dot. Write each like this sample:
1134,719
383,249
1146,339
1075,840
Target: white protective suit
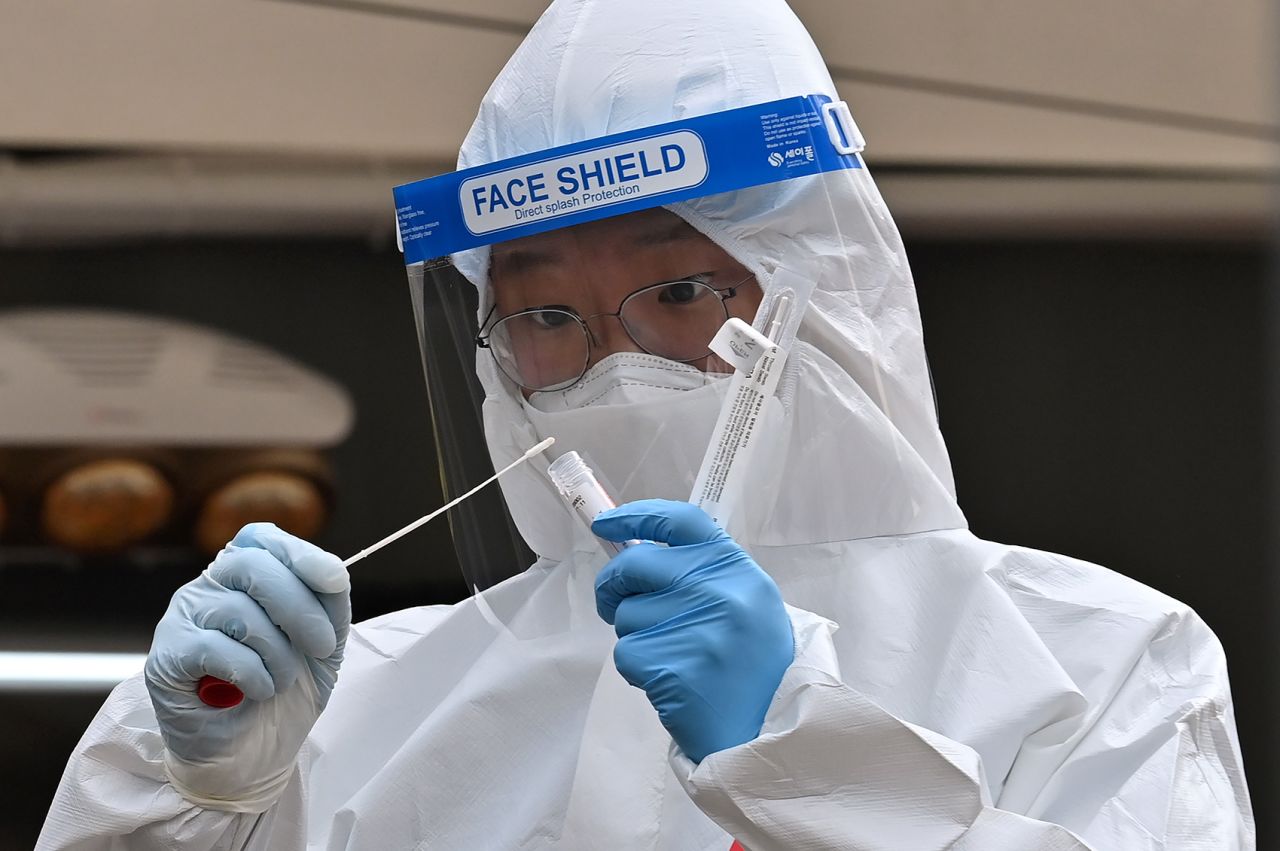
947,692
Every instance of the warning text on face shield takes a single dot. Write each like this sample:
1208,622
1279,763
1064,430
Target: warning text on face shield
584,180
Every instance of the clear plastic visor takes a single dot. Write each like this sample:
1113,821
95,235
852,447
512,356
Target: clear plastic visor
599,334
548,322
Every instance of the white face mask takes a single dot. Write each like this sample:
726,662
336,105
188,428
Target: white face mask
646,436
642,422
624,378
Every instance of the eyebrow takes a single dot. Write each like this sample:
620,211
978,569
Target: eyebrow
665,233
519,260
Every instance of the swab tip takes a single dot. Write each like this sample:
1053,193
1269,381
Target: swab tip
541,447
395,536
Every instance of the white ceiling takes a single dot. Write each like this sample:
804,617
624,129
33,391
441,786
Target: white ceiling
1146,90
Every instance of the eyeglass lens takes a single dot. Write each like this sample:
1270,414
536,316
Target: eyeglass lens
549,348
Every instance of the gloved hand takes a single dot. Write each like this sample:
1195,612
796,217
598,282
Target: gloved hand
271,615
701,628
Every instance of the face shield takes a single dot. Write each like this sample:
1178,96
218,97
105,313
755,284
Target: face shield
683,306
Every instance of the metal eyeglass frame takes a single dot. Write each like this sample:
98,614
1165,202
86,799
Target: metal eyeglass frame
482,339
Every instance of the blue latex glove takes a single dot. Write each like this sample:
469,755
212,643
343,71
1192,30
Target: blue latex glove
701,628
271,615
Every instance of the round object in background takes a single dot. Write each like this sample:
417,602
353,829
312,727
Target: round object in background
106,505
291,501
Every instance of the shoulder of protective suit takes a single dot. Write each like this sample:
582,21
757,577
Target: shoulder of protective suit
1105,629
1050,576
1069,596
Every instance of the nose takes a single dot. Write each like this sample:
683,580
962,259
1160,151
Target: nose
608,337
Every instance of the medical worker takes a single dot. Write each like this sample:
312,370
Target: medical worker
841,665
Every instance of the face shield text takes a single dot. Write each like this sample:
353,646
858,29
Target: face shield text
537,191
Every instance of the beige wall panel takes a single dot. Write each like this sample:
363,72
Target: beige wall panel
239,75
915,127
287,77
1198,57
1191,56
964,206
511,12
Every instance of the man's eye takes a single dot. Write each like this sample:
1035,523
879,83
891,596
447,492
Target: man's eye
681,292
550,319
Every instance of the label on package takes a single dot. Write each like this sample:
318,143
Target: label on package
733,436
739,345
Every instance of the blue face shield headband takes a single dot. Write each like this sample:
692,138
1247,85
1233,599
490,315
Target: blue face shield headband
623,173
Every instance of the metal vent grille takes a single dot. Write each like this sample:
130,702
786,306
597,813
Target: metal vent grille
244,365
116,353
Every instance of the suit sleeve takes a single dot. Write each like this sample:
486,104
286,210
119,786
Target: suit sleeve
114,793
832,770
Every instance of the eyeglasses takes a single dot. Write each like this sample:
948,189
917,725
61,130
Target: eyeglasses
549,347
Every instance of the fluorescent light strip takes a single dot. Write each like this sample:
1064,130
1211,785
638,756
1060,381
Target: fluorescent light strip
83,672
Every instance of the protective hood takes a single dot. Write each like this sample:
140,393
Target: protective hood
856,448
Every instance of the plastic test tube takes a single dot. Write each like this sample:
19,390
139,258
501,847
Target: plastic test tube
577,483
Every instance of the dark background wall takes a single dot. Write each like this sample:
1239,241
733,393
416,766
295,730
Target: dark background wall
1104,400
